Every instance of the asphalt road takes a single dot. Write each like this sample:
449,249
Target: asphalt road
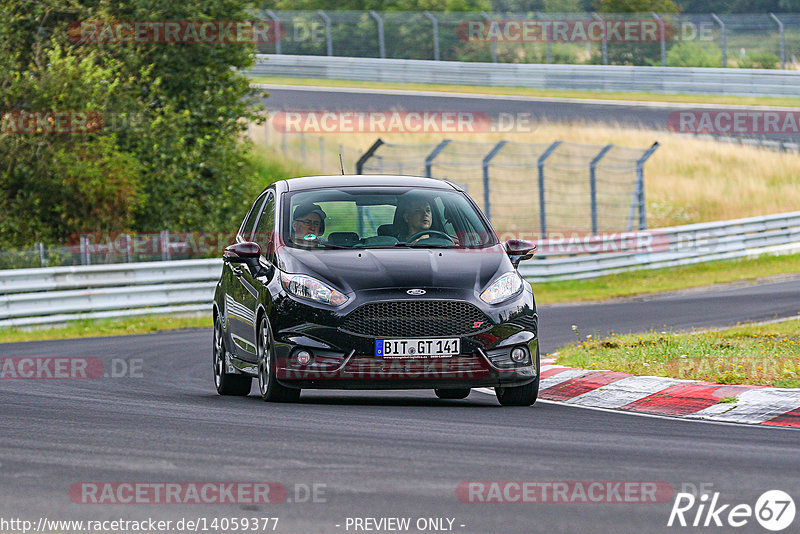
652,116
376,454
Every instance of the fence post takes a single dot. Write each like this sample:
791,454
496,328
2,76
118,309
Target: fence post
546,37
546,32
128,247
368,154
271,14
542,212
640,186
492,42
435,152
40,247
663,38
722,39
381,39
164,238
435,23
303,147
85,257
321,154
605,40
486,202
328,36
283,142
783,39
593,184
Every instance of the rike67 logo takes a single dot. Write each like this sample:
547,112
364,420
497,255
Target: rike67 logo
774,510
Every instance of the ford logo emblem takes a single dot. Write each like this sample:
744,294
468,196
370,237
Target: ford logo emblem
416,292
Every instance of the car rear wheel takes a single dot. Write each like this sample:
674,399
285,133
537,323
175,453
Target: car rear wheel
452,393
521,395
271,390
226,383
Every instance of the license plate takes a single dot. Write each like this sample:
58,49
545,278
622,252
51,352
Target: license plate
412,348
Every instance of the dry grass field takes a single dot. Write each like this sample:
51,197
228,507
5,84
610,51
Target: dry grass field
687,180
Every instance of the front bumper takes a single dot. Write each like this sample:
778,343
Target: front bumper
483,362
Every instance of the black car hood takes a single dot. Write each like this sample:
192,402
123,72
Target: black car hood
359,269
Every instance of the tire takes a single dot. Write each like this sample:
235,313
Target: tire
226,383
521,395
452,393
268,386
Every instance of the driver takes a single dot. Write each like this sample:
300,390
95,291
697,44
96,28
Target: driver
308,219
418,217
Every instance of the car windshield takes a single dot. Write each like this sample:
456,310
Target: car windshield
370,217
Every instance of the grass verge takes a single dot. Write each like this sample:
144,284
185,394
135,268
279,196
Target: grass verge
544,93
123,326
646,282
751,354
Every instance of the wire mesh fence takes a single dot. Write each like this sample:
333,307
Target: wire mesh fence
759,40
532,189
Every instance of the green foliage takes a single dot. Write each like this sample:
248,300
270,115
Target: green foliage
177,162
380,5
694,54
636,6
759,61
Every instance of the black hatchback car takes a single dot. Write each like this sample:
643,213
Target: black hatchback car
373,282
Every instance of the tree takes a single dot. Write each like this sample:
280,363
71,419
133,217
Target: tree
180,165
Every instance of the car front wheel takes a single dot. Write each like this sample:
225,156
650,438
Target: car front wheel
271,390
226,383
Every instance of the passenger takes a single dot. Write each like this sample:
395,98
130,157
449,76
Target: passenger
308,220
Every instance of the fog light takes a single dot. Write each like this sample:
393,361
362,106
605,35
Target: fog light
518,354
303,357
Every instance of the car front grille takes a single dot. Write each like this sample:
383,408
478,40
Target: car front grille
416,318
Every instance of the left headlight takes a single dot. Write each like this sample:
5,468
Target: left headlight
507,286
310,288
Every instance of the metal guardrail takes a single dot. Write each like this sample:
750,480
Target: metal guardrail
686,80
664,247
58,294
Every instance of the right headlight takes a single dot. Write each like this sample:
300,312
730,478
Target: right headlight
310,288
507,286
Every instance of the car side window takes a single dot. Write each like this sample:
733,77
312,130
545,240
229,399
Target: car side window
266,224
246,231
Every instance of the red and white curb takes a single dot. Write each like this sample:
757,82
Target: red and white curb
692,399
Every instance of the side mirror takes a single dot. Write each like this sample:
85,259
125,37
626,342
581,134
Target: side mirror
241,252
247,253
518,250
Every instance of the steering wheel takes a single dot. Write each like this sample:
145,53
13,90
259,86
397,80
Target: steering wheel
411,238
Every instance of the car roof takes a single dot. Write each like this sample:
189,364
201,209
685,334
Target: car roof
355,180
